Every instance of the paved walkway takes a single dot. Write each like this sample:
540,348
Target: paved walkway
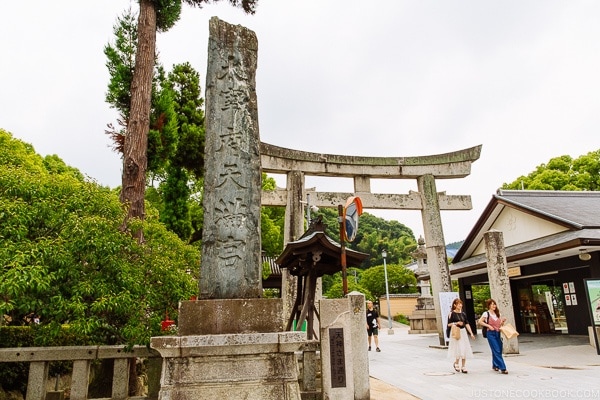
547,367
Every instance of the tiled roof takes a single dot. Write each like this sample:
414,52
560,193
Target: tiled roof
532,246
275,270
577,211
580,209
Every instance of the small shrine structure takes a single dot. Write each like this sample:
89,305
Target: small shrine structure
313,255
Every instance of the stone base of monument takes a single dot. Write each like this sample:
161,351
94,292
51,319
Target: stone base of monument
219,316
422,321
230,349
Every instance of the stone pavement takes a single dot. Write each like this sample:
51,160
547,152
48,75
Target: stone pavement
547,367
384,391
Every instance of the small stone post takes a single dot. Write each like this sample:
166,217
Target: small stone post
500,283
360,357
337,347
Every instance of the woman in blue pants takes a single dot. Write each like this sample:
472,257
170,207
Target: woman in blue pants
492,320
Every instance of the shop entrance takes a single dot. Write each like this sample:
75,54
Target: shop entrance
541,307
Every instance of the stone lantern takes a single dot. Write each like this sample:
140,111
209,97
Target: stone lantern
422,320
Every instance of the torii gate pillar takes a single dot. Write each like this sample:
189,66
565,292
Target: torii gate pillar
293,229
437,260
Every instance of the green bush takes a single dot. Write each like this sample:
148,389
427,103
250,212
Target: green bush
403,319
66,258
13,376
16,336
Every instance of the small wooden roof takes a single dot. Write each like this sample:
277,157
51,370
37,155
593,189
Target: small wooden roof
317,250
273,281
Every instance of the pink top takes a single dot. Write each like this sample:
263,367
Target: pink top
494,321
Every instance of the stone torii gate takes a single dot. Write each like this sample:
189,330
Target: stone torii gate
296,165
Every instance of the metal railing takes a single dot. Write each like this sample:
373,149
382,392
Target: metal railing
39,359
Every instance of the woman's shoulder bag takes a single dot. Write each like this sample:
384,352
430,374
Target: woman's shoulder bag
484,328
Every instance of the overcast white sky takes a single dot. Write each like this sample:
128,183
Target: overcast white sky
373,78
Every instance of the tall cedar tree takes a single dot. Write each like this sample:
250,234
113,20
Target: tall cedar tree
176,135
154,15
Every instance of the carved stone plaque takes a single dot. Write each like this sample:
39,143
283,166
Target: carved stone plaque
338,357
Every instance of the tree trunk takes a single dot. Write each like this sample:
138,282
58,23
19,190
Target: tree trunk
136,140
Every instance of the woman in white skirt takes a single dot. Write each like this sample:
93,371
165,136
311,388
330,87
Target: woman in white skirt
459,349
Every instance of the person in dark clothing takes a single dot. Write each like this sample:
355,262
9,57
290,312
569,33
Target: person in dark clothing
459,349
373,324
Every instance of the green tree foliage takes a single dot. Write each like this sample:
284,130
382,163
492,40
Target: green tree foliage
400,280
186,165
374,235
336,291
371,282
272,221
54,165
120,63
562,173
333,286
163,136
480,294
184,81
271,232
64,258
176,211
163,121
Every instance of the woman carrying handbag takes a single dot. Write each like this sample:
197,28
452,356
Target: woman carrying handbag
493,321
459,346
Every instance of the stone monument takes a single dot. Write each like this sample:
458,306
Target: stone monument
230,343
231,253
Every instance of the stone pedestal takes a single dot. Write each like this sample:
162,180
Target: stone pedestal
230,349
422,320
258,366
220,316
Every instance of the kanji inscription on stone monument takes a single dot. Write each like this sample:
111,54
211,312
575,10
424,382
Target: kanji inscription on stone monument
231,248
